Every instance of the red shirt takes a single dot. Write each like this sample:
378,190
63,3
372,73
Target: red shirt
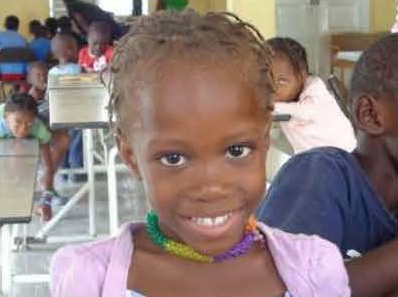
91,63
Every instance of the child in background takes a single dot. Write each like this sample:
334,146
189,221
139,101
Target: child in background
40,44
316,119
18,119
202,162
64,49
97,55
36,87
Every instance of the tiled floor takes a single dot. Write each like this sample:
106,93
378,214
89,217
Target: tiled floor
132,206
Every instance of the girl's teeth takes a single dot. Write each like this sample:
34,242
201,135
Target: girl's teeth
210,221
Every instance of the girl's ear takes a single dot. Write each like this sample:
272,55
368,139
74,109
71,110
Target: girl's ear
127,154
369,116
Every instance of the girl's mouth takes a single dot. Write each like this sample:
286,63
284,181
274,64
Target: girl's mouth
214,226
211,221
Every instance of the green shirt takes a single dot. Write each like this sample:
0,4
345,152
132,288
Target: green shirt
38,130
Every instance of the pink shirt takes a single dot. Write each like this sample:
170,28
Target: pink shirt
308,265
316,119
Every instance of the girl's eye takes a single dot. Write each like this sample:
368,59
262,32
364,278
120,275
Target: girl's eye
172,159
238,151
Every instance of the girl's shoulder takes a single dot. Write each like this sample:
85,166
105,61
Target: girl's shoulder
309,265
74,263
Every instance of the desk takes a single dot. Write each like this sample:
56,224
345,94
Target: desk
78,102
18,169
19,147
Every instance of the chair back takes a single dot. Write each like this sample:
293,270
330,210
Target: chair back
340,93
354,41
16,55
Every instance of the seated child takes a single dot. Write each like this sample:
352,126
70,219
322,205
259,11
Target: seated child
64,49
36,87
316,119
40,44
202,162
97,55
350,199
18,119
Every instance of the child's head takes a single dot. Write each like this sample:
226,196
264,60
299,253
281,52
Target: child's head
64,24
64,48
51,26
20,112
289,68
11,23
191,97
98,36
374,90
37,75
36,29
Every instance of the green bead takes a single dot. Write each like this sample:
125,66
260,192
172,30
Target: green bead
172,247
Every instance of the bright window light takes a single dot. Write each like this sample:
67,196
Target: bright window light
117,7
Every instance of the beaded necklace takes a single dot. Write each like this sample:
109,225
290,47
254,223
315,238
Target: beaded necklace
251,235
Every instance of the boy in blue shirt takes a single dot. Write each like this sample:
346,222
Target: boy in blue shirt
351,199
11,38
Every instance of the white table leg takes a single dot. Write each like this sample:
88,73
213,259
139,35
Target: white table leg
89,159
5,259
63,211
112,192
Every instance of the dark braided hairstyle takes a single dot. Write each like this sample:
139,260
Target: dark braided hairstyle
293,50
211,39
376,72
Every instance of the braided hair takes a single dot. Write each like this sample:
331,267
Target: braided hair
186,36
293,50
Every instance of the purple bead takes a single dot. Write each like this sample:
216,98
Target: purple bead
238,249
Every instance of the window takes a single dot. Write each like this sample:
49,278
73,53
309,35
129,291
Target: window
117,7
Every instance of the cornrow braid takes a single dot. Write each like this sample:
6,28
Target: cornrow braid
293,50
169,35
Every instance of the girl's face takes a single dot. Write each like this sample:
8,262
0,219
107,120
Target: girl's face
37,77
200,152
20,123
288,83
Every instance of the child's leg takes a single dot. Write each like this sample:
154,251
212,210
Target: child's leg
76,152
44,206
61,141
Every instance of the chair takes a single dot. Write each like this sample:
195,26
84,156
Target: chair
349,42
14,55
340,93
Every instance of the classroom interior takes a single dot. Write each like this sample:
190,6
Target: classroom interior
334,33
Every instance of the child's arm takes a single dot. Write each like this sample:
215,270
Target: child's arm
376,272
303,110
48,164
